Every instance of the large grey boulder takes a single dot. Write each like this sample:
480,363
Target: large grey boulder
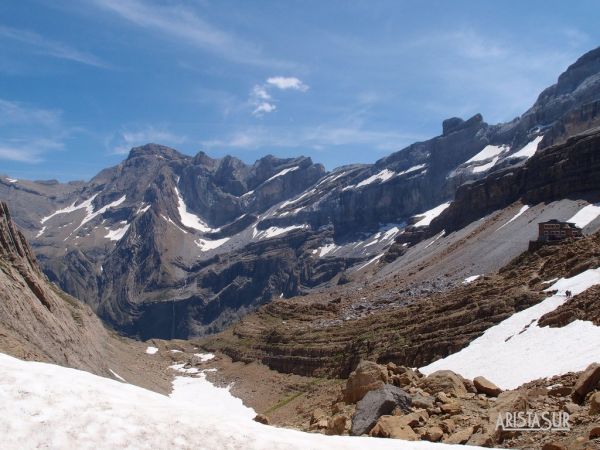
376,404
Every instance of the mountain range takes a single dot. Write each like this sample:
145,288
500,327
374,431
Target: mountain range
166,245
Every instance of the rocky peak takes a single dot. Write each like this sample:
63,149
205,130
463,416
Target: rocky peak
156,150
456,123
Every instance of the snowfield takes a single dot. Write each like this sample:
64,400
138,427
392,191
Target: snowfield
43,405
517,350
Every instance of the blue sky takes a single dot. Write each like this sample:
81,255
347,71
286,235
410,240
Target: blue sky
341,81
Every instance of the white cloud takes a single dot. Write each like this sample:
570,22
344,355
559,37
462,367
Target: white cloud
125,140
184,25
287,83
49,47
261,99
264,107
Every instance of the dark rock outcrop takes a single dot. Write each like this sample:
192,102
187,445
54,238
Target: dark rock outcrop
376,404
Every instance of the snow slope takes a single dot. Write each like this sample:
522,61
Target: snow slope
517,350
585,216
529,149
44,405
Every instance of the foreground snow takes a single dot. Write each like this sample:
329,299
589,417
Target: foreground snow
44,405
517,350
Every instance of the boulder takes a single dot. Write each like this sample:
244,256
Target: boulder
586,383
368,376
422,401
595,433
337,424
553,446
433,434
376,404
317,415
595,403
392,427
485,386
443,381
451,408
460,437
261,418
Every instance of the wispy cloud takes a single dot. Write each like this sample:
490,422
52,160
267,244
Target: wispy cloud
287,83
315,138
28,132
49,47
183,23
123,141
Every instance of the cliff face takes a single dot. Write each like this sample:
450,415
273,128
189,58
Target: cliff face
37,320
568,170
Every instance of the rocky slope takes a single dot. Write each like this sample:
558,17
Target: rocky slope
40,322
168,245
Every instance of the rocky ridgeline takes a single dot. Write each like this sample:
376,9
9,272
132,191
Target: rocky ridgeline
390,401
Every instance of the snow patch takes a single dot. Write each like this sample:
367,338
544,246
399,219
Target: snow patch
11,180
529,149
206,245
428,216
282,173
489,151
204,356
189,219
585,216
471,279
151,350
324,250
87,204
275,231
516,216
519,342
485,167
168,219
40,232
412,169
371,261
382,177
117,235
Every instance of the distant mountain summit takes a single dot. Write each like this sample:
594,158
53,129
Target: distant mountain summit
169,245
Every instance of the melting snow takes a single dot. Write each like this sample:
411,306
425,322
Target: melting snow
517,350
471,279
40,232
142,210
282,173
204,356
275,231
116,375
442,234
529,149
382,176
168,219
489,151
49,406
151,350
324,250
117,235
189,219
585,216
516,216
87,204
485,167
11,180
206,245
412,169
428,216
372,260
